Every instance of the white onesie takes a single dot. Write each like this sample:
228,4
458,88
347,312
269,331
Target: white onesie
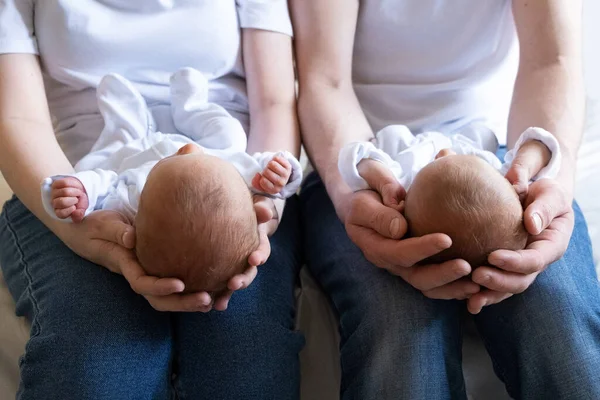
406,154
115,171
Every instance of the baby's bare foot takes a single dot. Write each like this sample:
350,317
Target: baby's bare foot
69,199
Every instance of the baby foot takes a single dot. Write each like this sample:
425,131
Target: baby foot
274,177
69,199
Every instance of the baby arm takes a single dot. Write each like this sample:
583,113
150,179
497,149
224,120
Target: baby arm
69,198
72,197
542,151
274,176
381,179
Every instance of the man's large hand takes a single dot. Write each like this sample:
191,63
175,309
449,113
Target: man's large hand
377,230
549,219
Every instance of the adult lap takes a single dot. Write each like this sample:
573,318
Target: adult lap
93,337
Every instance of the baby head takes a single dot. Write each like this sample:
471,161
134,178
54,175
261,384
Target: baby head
469,200
195,221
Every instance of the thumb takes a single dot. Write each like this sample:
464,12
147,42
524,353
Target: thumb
544,204
367,210
518,176
112,227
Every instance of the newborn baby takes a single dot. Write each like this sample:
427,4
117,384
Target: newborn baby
455,184
191,204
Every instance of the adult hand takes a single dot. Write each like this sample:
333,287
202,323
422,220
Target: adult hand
106,238
267,216
549,219
377,230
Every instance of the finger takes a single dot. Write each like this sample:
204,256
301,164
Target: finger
393,195
525,261
548,203
66,192
65,212
114,230
367,211
460,289
262,252
64,202
485,298
222,302
66,182
193,302
284,162
503,281
390,253
277,168
78,215
144,284
266,185
242,281
518,176
274,178
428,277
256,181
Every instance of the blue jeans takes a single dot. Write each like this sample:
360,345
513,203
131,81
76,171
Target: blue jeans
92,337
398,344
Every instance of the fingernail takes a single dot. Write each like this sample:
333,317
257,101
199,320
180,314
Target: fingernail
395,227
537,222
486,278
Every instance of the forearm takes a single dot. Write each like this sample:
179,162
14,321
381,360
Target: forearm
28,148
549,87
330,114
331,117
271,92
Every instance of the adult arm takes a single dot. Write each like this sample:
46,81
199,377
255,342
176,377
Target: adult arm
549,94
29,152
268,63
330,117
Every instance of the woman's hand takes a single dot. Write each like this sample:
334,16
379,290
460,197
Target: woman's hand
267,216
107,239
377,231
548,218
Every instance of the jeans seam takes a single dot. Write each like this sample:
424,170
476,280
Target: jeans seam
36,327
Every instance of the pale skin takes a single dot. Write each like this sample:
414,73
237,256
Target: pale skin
69,198
29,152
548,93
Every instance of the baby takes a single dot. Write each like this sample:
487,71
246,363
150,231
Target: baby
189,194
455,184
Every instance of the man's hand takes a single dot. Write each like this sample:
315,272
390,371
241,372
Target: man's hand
549,219
529,161
377,231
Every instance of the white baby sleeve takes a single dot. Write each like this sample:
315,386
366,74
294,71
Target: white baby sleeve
262,159
551,169
352,154
98,185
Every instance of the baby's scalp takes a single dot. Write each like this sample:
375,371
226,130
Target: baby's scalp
470,201
196,222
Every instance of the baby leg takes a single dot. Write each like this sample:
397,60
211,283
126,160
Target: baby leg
208,124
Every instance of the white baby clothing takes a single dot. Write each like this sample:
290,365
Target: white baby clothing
80,41
406,154
115,172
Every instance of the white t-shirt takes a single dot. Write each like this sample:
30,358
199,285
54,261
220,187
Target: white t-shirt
80,41
435,65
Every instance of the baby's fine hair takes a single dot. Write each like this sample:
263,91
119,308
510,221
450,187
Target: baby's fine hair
202,233
474,205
